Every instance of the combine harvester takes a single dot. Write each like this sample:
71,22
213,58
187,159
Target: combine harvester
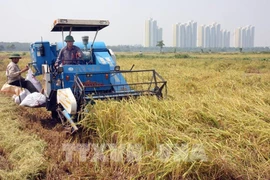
95,76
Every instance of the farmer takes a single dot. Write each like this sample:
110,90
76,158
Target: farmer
69,54
14,77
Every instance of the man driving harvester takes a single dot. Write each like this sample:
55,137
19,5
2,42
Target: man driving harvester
70,54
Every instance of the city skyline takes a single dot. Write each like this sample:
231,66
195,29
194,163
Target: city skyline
188,35
28,21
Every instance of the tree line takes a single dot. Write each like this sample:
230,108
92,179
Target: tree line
14,46
160,47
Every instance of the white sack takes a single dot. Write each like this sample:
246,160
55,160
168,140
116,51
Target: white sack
34,100
20,98
30,77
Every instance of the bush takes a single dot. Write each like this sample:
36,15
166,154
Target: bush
182,56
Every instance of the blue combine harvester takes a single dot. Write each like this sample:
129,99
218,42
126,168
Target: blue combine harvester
94,76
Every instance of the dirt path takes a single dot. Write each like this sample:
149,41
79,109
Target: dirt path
38,121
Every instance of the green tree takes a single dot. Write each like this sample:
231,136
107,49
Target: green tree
11,47
160,44
241,50
2,47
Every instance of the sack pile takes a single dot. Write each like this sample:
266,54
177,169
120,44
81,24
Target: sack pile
22,96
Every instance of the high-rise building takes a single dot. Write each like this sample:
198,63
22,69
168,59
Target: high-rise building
252,36
237,37
185,34
244,37
194,34
218,40
224,38
207,37
213,34
175,35
201,36
159,35
147,41
153,33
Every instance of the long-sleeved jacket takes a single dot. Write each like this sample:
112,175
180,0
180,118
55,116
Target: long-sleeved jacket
13,72
68,56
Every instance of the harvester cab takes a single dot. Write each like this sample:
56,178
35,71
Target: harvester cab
93,76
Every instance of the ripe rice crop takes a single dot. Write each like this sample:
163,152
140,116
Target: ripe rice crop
213,124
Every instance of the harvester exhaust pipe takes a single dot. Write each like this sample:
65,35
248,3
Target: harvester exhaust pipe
85,41
69,119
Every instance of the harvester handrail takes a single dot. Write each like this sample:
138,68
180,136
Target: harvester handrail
124,71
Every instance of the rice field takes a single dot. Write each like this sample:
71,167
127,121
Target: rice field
213,124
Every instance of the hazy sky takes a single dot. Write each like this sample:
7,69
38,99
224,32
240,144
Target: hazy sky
29,20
